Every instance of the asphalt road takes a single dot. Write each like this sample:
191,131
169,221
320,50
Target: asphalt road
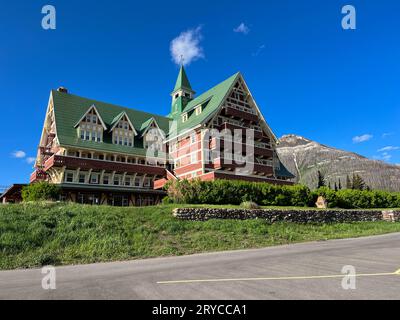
299,271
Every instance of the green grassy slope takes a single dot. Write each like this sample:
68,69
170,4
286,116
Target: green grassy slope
32,235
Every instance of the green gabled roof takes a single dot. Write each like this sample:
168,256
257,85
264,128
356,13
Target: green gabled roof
116,119
68,109
146,124
182,82
210,101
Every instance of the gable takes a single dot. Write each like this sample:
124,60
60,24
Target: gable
122,117
211,100
92,109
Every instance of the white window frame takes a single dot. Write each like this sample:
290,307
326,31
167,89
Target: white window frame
198,110
96,180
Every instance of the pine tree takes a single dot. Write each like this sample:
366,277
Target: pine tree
336,187
340,185
348,183
358,182
321,180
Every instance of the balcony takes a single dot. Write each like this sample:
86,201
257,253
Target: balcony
256,150
221,163
46,151
98,165
259,135
231,111
38,175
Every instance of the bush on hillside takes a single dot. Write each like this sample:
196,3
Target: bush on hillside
40,191
235,192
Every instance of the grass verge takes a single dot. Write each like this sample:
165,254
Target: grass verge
32,235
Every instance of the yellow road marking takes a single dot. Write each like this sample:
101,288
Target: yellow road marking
396,273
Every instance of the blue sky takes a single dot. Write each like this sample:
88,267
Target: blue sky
308,75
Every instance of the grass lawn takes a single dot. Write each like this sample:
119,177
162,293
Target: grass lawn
32,235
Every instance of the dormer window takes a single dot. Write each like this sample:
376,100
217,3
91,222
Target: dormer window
184,117
198,110
123,131
91,126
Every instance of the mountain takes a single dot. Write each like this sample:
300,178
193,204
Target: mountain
304,157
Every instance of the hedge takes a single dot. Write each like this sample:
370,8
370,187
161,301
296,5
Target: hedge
40,191
235,192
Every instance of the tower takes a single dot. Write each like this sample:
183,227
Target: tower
181,94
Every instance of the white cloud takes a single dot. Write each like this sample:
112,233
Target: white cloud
387,134
187,47
362,138
386,156
19,154
260,48
30,160
388,148
242,28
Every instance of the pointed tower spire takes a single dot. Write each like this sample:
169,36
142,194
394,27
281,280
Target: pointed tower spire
181,94
182,82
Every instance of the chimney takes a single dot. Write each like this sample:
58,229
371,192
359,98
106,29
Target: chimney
62,89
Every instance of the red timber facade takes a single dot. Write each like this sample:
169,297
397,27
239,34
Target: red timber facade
100,153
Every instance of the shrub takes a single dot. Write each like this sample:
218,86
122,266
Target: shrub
249,205
40,191
166,200
236,192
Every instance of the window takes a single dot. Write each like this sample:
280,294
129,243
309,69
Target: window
87,135
116,180
88,117
193,158
147,182
82,178
94,119
137,182
69,177
83,134
105,179
127,181
198,110
184,117
193,137
94,178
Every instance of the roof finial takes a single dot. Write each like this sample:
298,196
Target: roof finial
182,60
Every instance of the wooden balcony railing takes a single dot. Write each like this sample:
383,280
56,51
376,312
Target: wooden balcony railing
87,164
231,111
37,175
221,163
258,135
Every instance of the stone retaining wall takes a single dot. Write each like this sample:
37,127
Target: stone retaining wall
275,215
